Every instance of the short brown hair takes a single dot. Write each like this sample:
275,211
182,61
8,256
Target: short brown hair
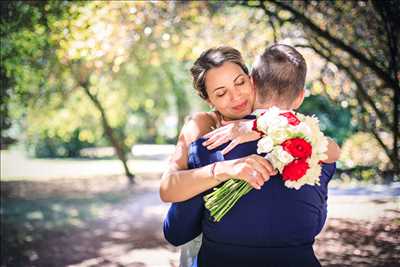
279,72
212,58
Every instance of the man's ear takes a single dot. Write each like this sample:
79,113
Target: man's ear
253,86
252,81
299,100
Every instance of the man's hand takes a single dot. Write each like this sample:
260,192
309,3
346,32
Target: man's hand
253,169
238,132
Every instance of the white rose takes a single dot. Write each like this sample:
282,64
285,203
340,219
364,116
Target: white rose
278,122
303,128
277,164
265,145
279,135
294,184
282,155
273,112
266,120
262,123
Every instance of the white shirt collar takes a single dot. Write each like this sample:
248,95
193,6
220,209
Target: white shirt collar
258,111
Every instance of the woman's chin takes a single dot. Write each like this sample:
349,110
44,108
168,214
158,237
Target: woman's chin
246,112
236,115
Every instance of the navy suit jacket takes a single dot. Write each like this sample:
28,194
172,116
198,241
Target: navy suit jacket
274,226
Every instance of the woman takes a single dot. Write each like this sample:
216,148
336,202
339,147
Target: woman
221,78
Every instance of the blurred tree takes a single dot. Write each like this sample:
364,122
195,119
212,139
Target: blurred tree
106,54
331,124
361,38
362,149
22,43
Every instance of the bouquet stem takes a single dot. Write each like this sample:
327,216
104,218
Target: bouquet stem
225,197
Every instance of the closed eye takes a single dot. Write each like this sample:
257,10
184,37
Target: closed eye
220,94
240,83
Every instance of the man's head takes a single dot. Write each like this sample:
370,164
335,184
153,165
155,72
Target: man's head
279,75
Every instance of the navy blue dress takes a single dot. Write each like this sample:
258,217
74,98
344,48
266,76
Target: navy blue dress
274,226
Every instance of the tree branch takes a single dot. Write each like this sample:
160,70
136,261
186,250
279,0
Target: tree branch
271,23
383,118
372,130
338,43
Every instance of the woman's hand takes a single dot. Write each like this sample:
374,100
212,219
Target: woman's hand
253,169
333,151
236,131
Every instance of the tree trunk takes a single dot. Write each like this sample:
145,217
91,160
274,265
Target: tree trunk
109,131
396,111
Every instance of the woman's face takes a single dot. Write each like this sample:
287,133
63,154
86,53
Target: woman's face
230,91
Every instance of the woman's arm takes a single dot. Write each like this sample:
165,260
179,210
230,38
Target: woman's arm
333,151
179,184
239,132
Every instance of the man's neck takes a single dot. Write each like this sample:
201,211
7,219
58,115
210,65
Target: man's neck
269,104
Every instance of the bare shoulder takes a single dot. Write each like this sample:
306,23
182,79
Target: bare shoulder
195,127
199,124
204,118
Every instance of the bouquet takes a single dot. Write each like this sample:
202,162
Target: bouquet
295,146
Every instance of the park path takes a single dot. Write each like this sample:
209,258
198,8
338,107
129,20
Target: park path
130,234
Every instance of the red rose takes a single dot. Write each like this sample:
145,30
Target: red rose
255,128
295,170
292,119
297,147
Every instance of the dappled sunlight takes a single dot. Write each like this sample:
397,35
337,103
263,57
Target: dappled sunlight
362,149
349,243
134,258
358,207
111,249
85,224
149,257
364,189
152,211
35,215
